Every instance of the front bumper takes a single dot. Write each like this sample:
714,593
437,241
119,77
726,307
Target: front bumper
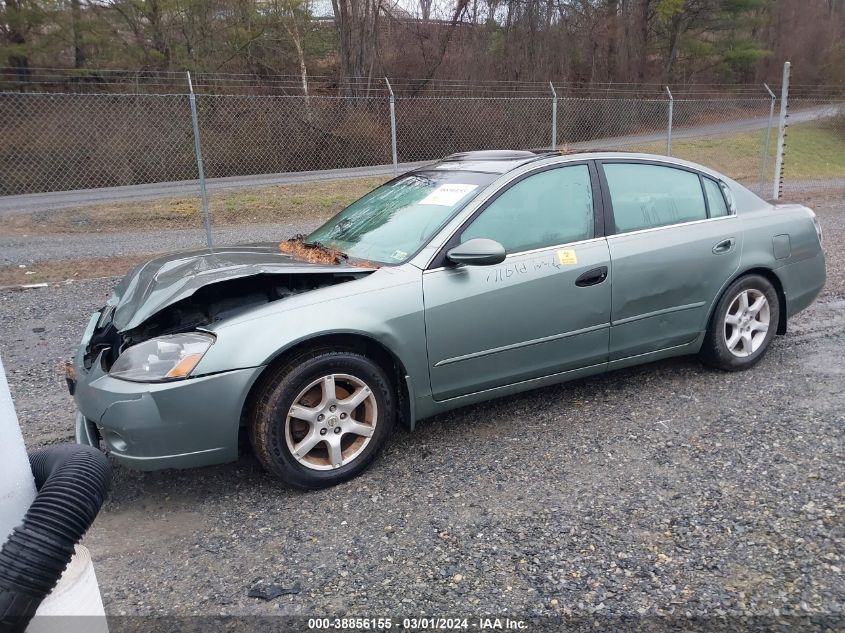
86,431
149,426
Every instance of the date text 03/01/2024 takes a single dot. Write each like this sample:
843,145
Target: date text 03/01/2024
415,624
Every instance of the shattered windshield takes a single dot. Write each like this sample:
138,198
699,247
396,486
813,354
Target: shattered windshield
393,222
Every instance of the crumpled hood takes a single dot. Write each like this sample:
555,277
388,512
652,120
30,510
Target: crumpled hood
163,281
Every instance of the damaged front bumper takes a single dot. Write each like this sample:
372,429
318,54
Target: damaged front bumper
150,426
86,431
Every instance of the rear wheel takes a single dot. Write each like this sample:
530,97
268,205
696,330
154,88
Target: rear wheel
321,419
743,325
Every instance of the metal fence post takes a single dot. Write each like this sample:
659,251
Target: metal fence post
764,159
669,128
393,127
784,104
200,169
554,116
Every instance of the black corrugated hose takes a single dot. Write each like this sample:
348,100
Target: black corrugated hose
72,482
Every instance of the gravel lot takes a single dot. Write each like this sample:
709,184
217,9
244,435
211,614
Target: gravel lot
663,489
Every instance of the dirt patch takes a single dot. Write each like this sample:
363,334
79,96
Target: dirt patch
114,536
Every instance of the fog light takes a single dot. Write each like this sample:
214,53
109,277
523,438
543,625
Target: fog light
115,442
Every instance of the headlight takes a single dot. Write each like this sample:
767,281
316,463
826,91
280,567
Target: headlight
165,358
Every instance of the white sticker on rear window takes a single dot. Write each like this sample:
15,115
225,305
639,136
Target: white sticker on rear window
447,195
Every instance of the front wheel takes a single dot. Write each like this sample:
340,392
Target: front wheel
321,419
743,325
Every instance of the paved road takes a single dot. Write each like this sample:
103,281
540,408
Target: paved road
51,201
39,202
712,129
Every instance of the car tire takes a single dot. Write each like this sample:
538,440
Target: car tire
736,338
311,402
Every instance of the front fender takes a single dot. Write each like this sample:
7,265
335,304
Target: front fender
387,309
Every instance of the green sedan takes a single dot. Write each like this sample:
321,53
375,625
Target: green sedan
479,276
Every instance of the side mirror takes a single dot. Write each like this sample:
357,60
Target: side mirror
477,252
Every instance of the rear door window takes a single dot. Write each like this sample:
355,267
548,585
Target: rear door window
649,196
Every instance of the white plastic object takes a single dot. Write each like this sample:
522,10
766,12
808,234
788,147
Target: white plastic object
75,605
17,488
76,593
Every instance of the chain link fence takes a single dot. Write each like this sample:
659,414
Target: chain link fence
433,127
59,142
242,136
633,125
730,136
248,135
814,149
280,164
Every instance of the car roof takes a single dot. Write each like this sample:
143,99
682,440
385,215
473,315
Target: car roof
487,161
503,161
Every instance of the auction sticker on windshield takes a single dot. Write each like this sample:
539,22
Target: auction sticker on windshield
448,195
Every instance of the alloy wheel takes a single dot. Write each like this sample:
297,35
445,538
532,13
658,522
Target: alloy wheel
331,421
747,322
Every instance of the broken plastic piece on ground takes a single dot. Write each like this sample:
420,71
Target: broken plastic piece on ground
273,591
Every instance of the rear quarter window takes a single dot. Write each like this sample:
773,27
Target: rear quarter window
715,198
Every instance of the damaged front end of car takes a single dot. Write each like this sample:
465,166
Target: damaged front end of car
133,378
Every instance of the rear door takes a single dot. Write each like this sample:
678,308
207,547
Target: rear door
673,244
544,310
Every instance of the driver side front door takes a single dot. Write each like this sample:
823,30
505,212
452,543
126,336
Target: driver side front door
544,310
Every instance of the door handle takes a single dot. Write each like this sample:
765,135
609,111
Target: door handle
724,246
592,277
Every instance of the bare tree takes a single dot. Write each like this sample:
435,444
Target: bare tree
15,24
357,23
611,16
76,27
147,21
295,17
643,18
425,10
530,40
